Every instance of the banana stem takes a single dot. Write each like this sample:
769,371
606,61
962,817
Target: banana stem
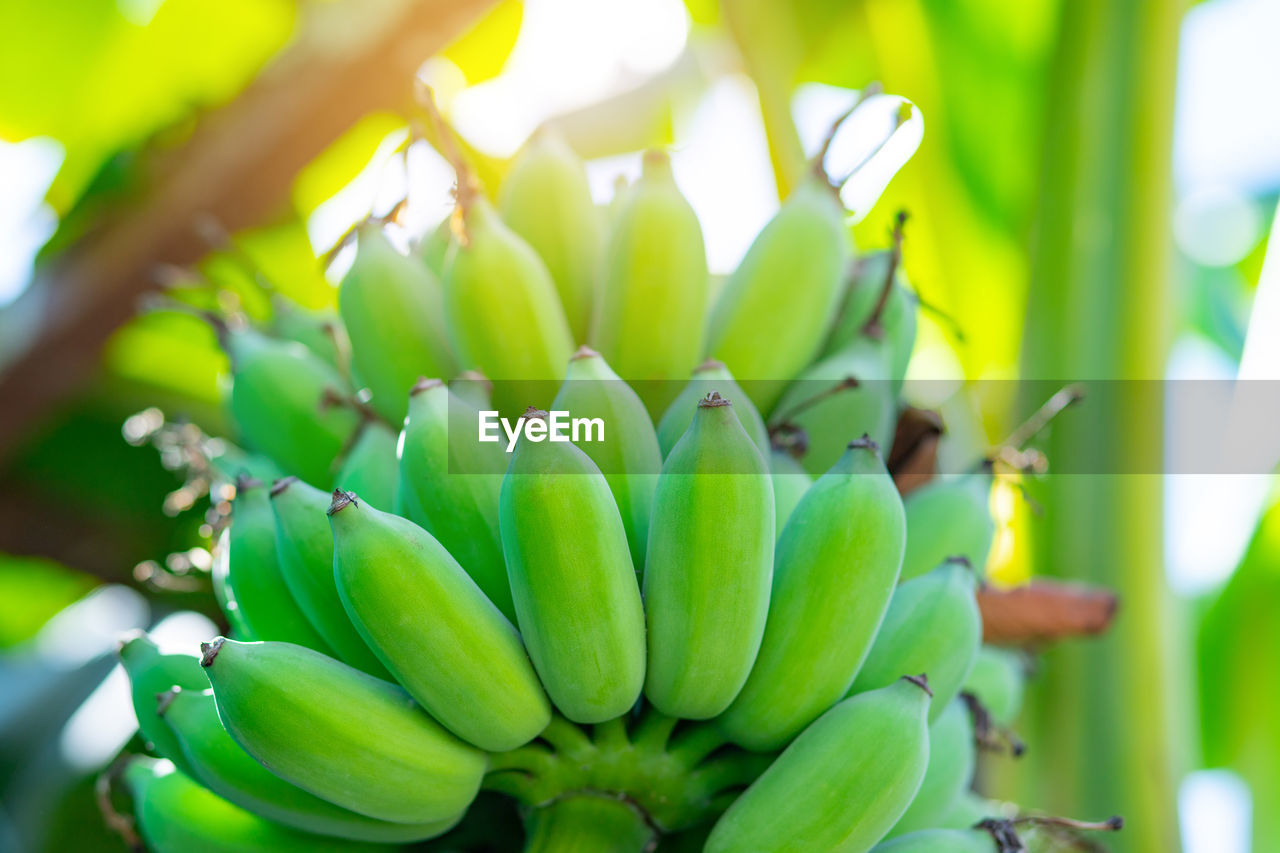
611,734
566,738
586,823
692,747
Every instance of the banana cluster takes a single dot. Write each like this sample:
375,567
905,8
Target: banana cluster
725,630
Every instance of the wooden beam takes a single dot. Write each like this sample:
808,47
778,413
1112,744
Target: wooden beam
348,59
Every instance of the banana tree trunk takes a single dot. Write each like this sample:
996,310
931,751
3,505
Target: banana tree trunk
1101,725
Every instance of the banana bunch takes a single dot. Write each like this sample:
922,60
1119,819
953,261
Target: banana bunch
729,620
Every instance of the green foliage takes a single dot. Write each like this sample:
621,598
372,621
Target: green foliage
32,590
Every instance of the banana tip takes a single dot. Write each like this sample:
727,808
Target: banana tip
708,365
280,485
921,681
424,384
127,639
865,443
209,651
341,500
244,482
165,698
713,400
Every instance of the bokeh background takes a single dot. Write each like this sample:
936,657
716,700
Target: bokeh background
1091,185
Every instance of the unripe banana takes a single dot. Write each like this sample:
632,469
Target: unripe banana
572,579
371,467
504,315
710,376
948,516
321,332
790,483
628,456
150,672
393,309
952,754
784,292
219,763
433,628
998,679
339,733
836,569
433,249
860,294
877,304
546,199
840,398
968,810
932,626
897,329
305,548
653,297
176,815
473,388
709,567
449,483
281,400
841,784
941,841
247,565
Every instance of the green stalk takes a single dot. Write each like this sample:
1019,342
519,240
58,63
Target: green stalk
587,823
1100,723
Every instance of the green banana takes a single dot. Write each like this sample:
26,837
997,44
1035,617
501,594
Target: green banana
341,734
932,626
433,628
710,376
150,672
371,467
838,399
710,563
784,292
948,516
282,400
176,815
450,482
572,579
545,198
841,784
836,568
474,388
653,298
628,455
967,810
790,483
321,332
221,765
305,548
247,567
504,315
433,249
940,841
588,823
952,755
998,679
393,309
896,320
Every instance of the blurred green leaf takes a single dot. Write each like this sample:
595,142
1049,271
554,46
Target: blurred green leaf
342,161
32,590
88,76
482,52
